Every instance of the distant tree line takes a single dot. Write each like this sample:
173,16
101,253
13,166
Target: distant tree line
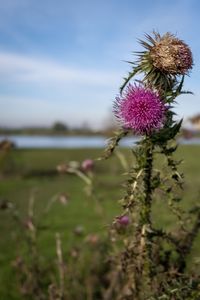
57,128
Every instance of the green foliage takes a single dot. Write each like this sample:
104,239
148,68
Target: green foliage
59,126
166,134
140,259
113,143
153,261
78,211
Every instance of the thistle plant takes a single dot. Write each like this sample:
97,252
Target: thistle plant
152,261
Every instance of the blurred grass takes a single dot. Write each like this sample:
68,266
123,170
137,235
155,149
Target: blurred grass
80,210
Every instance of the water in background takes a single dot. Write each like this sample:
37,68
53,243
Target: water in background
26,141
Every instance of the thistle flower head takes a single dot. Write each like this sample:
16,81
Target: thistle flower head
163,58
123,220
140,109
171,55
87,165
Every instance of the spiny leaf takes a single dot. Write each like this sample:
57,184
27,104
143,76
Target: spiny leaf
180,85
127,79
186,92
113,143
169,150
166,133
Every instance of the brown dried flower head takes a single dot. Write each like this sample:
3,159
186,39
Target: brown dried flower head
171,55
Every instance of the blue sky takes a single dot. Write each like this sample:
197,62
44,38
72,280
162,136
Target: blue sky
64,60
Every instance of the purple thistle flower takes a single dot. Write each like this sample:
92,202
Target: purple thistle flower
123,220
140,109
87,165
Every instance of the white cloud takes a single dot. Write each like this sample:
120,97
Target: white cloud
20,68
44,91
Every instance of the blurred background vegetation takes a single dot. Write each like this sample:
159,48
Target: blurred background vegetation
59,204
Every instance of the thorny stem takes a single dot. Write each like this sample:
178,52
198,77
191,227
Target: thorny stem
147,185
146,236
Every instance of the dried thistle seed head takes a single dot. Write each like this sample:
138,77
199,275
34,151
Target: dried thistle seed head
162,59
171,55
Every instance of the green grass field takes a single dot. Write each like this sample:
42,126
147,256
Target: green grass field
33,176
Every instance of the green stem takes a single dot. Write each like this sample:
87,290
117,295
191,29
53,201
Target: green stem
146,209
147,185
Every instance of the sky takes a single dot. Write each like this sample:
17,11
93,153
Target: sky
65,60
